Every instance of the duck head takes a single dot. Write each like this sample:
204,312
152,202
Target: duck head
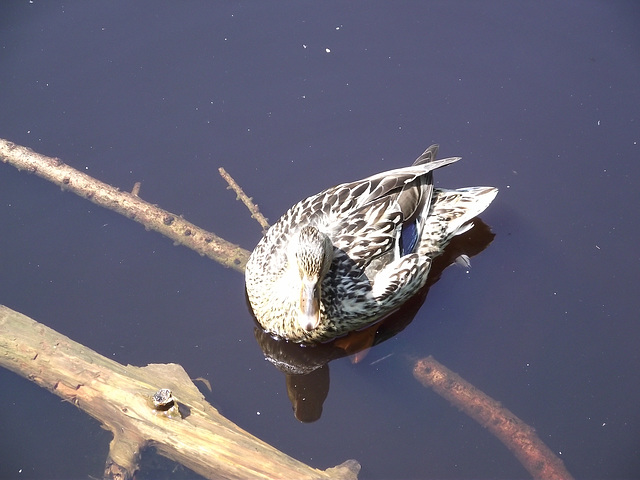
312,253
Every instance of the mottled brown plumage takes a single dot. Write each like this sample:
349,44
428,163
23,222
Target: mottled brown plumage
346,257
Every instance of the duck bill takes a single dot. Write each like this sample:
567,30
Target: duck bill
309,316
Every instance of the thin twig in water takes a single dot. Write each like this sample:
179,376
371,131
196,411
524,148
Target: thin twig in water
240,195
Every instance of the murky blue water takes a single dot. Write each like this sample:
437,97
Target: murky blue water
540,100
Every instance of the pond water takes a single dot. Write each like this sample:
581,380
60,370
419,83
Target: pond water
540,99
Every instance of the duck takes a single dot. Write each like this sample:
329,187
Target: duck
349,256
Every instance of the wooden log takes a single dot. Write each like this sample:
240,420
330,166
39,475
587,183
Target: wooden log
121,398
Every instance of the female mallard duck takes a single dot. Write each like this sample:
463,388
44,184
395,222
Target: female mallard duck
346,257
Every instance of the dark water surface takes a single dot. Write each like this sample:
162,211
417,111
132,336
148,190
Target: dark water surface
540,99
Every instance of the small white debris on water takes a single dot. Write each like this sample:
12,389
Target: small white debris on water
381,359
327,50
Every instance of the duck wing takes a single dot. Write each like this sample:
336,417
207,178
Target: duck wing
347,197
365,218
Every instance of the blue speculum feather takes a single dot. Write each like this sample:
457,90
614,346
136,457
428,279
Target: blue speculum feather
408,238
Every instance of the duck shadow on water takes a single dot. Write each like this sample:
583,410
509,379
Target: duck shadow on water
306,367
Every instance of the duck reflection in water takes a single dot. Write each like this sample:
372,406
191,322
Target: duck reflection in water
306,366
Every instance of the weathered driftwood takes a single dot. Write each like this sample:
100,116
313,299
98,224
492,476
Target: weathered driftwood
121,398
519,437
127,204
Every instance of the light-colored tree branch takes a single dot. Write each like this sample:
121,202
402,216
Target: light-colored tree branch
120,397
128,204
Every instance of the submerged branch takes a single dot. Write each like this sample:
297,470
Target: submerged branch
128,204
516,435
